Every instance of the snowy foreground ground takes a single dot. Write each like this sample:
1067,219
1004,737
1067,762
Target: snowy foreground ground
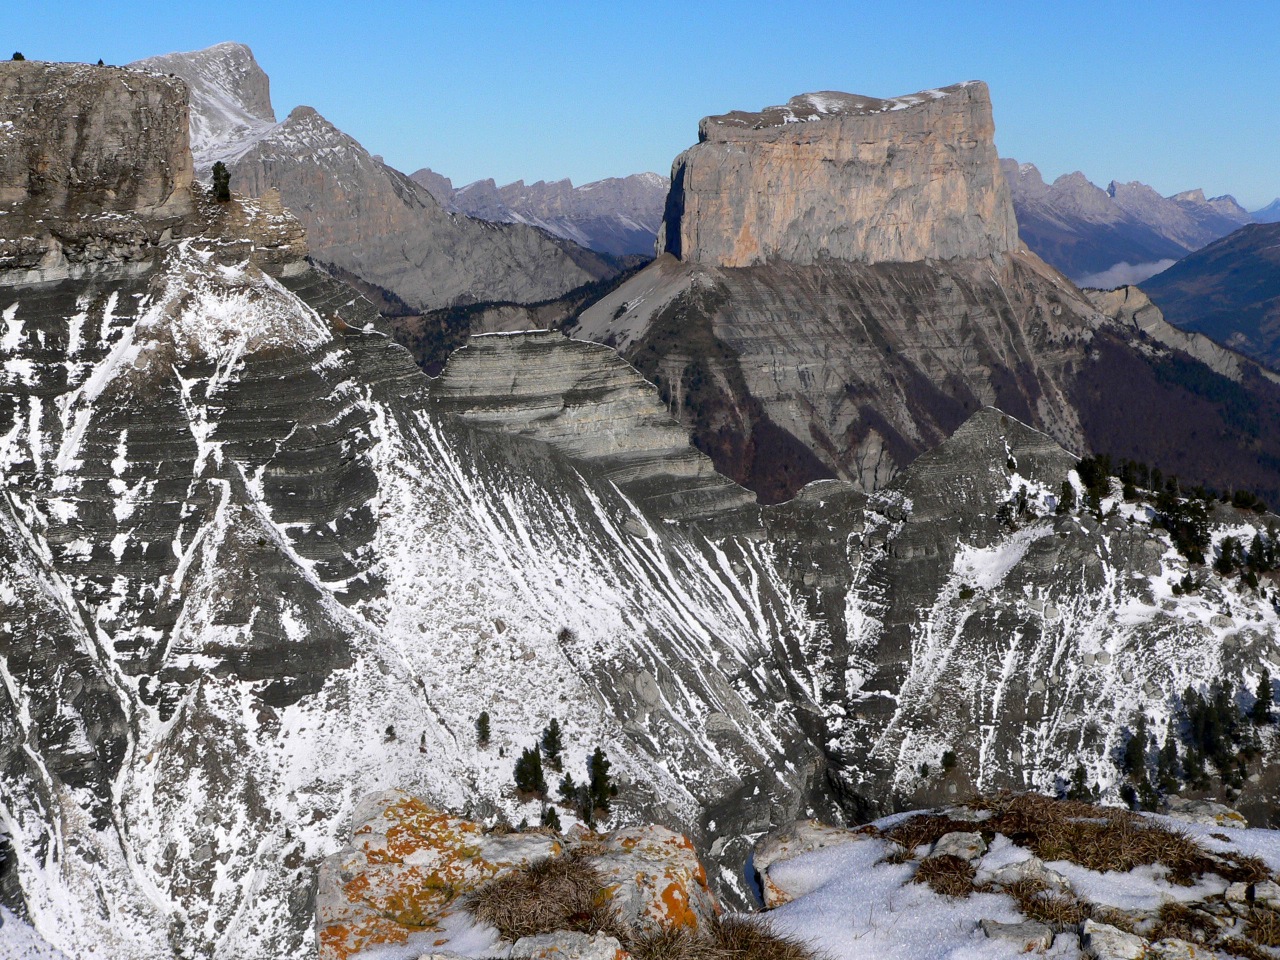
851,902
851,906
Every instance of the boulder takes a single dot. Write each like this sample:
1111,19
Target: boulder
653,877
1173,949
1032,868
1204,812
792,840
566,945
1024,936
405,870
1102,941
962,844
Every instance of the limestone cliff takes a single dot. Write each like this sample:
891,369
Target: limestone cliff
94,166
842,177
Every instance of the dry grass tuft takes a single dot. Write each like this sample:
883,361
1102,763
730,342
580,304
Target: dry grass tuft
732,938
555,893
1105,838
948,875
1239,947
1037,902
926,829
1179,921
1264,927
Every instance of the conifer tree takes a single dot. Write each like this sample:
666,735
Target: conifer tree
221,182
1167,763
1135,751
528,773
599,786
18,56
568,790
482,728
552,744
1261,712
551,819
1067,502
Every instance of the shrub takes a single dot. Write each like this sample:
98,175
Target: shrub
18,56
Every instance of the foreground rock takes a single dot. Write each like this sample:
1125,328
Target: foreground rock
409,872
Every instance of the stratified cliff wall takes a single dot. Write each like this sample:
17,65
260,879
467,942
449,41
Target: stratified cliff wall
844,177
91,167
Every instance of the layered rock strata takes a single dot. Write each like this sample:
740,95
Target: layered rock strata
843,285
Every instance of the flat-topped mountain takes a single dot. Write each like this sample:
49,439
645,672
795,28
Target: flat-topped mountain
822,179
618,215
1121,234
843,285
362,216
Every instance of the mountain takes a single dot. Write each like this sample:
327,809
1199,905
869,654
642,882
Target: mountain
618,216
255,566
1229,291
841,289
1268,214
1123,234
362,216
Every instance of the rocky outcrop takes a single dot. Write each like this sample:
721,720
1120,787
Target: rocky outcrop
1124,233
410,874
842,177
1229,291
618,215
94,167
361,215
1131,305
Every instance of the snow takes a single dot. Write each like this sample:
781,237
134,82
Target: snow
18,941
851,906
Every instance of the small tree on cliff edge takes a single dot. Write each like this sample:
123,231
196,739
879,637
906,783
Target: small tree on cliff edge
221,182
18,56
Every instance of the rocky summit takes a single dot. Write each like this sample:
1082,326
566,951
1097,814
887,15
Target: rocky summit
843,285
842,177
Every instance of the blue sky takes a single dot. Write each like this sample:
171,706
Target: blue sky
1176,94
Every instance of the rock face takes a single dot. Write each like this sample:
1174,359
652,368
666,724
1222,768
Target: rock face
91,167
787,330
842,177
618,216
1124,233
1229,291
361,215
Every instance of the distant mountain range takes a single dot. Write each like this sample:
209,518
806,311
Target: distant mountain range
1229,291
1122,234
363,217
1268,214
618,216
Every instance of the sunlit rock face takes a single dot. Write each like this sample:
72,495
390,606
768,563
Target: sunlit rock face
843,177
